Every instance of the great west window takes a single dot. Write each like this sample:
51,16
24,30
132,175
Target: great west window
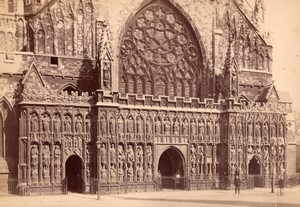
159,54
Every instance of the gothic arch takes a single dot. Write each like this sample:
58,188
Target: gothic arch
160,37
70,86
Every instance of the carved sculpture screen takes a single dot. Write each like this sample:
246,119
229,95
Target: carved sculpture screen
160,55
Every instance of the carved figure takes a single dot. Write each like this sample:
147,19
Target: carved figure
157,126
103,125
34,123
265,130
257,131
103,172
200,154
46,160
56,124
103,154
106,73
57,162
112,152
139,125
176,127
130,125
193,154
140,172
130,156
45,123
112,126
273,130
239,130
249,129
120,125
121,156
148,127
78,125
34,161
193,128
140,156
67,124
167,127
185,127
149,155
201,128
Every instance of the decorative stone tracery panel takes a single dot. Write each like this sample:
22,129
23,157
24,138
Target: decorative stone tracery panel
161,50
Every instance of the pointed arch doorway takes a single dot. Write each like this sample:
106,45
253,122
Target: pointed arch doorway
254,170
74,174
171,166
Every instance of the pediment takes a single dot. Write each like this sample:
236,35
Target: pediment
33,78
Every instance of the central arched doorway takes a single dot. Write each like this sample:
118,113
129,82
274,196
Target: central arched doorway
74,174
171,166
255,172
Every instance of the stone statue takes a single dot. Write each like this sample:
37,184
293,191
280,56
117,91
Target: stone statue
176,127
139,125
281,130
103,154
57,162
239,130
34,123
102,125
130,125
34,161
201,129
257,131
232,154
265,130
193,154
149,155
112,152
120,125
78,125
56,124
232,129
273,130
45,123
148,127
157,126
112,129
249,129
67,124
185,127
193,128
167,127
130,156
106,73
140,155
121,157
103,172
46,161
200,154
140,172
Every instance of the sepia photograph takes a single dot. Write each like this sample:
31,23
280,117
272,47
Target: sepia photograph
174,103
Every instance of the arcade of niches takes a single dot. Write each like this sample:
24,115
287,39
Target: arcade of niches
158,95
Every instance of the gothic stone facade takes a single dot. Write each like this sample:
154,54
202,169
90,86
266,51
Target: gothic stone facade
116,86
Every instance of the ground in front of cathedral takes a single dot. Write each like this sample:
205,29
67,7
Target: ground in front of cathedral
259,197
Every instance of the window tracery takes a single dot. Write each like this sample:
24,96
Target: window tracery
159,48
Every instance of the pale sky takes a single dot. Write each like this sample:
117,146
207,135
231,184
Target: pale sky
283,21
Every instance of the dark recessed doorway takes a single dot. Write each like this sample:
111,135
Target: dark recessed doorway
74,174
171,167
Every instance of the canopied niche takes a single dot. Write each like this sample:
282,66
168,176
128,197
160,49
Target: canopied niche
160,54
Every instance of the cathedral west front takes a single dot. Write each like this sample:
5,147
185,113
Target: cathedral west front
110,94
